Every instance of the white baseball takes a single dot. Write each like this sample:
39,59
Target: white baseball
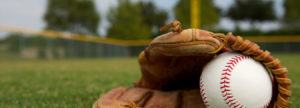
233,80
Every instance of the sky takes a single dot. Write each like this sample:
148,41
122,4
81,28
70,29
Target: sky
29,13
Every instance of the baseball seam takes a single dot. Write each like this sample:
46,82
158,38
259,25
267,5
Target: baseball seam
203,94
225,81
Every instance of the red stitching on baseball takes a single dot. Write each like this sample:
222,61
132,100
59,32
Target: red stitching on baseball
228,70
225,90
203,94
229,99
225,82
226,94
237,105
225,78
229,66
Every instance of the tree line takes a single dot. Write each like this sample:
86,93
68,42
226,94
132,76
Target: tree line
142,19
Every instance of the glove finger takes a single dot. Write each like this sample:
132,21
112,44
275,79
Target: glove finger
192,99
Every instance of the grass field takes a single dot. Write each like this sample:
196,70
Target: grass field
77,83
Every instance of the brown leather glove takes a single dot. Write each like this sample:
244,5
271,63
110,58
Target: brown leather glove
140,97
172,64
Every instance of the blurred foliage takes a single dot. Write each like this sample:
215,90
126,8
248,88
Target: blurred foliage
153,17
77,16
209,13
292,16
292,10
141,19
252,10
127,22
257,32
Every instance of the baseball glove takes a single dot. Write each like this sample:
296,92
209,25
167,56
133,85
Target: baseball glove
172,64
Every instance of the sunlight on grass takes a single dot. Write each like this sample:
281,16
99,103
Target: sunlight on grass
62,83
78,83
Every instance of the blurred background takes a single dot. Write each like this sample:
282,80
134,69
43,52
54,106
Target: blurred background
65,53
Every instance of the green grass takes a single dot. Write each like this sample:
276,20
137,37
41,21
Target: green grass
78,83
75,83
291,61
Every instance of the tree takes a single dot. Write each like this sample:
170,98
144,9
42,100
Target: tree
209,13
292,16
252,10
127,22
153,17
78,16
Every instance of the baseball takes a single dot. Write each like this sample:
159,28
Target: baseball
233,80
